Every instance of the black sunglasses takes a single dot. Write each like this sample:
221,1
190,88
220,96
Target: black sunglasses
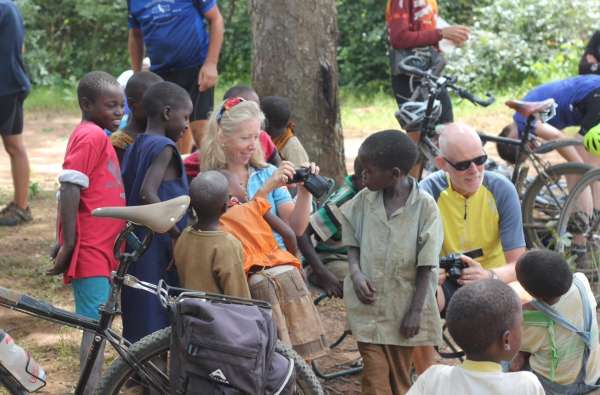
465,164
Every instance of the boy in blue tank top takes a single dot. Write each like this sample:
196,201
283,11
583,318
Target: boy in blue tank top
153,172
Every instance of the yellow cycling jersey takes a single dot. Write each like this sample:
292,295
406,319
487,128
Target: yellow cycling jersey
489,219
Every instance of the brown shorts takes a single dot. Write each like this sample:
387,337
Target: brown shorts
297,319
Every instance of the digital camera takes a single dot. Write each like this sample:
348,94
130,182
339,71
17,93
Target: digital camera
315,184
454,265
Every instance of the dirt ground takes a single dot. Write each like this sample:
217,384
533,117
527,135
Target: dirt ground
24,257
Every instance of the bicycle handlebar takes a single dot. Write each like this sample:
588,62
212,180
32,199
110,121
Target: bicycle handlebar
472,98
442,81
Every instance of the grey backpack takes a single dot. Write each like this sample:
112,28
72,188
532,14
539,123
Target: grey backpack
219,348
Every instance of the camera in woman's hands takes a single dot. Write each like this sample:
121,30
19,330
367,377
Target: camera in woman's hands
315,184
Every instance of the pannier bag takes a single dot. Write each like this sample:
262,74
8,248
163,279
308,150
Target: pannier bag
229,349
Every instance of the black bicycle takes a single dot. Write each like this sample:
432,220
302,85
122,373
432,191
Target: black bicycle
142,366
543,196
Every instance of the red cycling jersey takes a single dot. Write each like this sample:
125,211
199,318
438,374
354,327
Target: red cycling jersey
412,23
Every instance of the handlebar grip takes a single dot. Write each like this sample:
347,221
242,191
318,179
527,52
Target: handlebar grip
475,100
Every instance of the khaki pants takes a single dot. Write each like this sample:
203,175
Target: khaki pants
386,369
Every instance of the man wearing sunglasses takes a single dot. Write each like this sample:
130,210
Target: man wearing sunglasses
480,211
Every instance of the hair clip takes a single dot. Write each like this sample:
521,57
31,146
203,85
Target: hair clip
228,105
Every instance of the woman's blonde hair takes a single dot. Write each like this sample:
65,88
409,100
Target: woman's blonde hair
212,155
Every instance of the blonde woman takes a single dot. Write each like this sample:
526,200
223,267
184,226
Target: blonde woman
232,142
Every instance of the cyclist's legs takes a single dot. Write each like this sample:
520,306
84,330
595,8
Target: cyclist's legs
571,154
548,132
594,161
590,109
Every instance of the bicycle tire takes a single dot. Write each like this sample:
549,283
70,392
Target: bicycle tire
306,380
539,220
571,220
157,343
10,383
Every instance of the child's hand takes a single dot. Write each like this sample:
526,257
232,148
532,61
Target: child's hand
329,283
411,323
363,288
61,257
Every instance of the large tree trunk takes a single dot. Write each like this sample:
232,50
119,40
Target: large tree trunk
294,55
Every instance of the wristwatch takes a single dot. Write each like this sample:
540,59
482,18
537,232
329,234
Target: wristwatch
493,274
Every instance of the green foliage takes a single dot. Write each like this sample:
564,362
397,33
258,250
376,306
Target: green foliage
513,43
516,42
362,43
461,12
67,38
235,62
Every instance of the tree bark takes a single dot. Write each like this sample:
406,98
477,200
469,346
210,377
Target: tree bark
294,55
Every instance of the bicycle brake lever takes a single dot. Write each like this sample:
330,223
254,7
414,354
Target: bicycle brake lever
133,282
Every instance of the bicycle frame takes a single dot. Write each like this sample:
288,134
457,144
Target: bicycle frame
101,328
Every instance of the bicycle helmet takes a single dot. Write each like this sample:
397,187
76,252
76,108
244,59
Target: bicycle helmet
410,115
591,140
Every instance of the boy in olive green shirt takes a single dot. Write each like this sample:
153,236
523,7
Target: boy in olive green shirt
394,234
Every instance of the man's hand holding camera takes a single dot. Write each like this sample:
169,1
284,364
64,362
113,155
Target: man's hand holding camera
474,271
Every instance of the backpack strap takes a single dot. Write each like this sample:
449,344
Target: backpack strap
584,333
537,318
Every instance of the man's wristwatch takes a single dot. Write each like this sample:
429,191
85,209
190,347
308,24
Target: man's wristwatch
493,275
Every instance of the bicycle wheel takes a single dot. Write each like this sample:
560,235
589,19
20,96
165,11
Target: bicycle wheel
10,384
153,350
306,381
543,201
579,228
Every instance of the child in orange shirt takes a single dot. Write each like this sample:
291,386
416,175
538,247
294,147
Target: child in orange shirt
273,273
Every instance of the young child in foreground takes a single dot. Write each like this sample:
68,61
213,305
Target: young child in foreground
153,172
565,362
90,179
136,122
273,273
394,235
484,319
278,125
208,258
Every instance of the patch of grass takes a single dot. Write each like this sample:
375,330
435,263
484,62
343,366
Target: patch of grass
363,114
53,99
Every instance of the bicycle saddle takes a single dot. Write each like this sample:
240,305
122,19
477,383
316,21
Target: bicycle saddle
159,217
527,108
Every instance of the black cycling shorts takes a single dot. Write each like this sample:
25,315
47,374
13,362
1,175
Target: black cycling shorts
589,108
11,114
188,80
402,92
